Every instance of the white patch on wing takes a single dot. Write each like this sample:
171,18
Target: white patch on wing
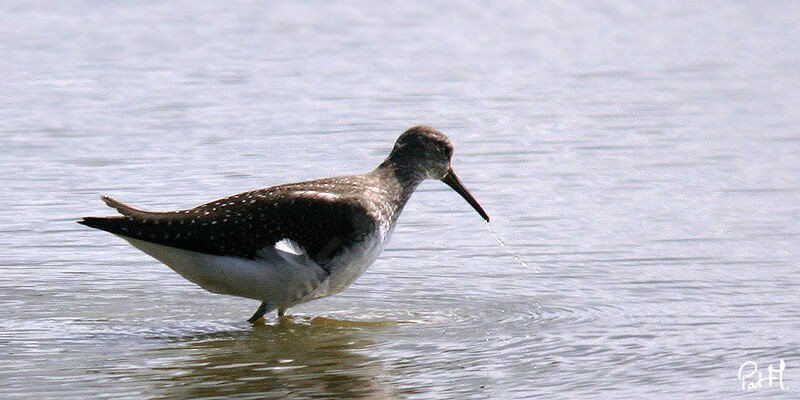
289,246
289,251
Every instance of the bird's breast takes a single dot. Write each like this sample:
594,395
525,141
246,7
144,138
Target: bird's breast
353,261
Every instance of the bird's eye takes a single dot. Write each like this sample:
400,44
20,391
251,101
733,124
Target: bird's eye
448,152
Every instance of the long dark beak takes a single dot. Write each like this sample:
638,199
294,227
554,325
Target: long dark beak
452,180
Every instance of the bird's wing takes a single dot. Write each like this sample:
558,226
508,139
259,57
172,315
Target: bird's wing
245,224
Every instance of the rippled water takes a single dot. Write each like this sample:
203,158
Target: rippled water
644,158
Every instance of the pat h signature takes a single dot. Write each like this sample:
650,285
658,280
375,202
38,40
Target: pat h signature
752,378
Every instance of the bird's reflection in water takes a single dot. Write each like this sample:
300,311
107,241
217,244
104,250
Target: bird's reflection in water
295,357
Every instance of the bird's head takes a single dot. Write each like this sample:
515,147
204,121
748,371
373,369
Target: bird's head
425,153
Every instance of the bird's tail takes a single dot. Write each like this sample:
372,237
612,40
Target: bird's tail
116,225
126,210
133,223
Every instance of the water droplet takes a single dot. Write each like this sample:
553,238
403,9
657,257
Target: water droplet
519,259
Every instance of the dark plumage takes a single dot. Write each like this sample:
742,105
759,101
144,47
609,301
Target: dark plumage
243,224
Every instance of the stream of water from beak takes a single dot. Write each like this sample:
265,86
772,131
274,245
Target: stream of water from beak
510,251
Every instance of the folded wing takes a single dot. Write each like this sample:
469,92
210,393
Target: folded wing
245,224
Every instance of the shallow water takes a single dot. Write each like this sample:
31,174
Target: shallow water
643,158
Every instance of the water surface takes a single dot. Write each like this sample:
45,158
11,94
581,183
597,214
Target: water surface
643,157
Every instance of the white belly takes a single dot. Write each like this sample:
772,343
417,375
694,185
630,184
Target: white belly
277,278
351,264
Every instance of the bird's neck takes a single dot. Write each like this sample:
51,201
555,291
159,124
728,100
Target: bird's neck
399,182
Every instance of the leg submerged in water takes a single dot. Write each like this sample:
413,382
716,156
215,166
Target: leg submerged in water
262,309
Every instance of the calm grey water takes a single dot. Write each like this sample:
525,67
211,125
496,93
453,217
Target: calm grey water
645,158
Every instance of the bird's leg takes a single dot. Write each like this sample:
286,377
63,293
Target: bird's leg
259,315
281,312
